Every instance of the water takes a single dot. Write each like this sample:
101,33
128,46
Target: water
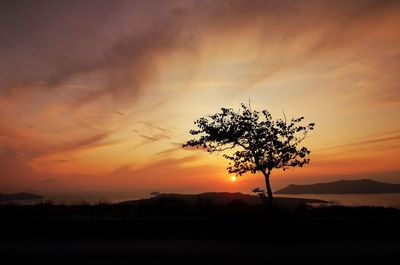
379,199
73,199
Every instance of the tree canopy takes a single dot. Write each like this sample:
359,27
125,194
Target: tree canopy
253,141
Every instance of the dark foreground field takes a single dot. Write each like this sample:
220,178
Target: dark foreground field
173,232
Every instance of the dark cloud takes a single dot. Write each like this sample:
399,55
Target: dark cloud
45,41
121,41
50,43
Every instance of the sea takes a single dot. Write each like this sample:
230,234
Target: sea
376,199
380,199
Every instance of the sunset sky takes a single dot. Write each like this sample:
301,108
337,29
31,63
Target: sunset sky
99,96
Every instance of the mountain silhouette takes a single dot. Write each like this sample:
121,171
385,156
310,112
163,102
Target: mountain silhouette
220,198
21,196
362,186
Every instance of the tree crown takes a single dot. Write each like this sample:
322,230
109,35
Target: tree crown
253,140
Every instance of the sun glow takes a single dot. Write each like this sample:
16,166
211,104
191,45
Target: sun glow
114,115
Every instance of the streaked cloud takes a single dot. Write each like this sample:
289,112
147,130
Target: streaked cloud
102,84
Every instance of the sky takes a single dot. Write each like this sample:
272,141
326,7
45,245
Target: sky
98,96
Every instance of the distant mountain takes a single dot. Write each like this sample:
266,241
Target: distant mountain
219,198
362,186
22,196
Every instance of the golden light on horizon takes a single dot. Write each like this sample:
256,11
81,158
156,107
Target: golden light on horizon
113,116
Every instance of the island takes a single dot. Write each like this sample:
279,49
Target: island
21,196
361,186
219,198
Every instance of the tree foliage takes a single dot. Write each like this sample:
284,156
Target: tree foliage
253,141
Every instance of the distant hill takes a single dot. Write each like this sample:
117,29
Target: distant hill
220,198
362,186
21,196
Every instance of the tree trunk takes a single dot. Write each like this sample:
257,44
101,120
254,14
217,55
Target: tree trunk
268,185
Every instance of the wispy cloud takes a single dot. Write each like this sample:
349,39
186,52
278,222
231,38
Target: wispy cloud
156,137
153,126
378,142
52,181
80,76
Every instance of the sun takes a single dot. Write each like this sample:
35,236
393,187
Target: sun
233,178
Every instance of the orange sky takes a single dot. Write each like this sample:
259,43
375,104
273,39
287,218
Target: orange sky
99,95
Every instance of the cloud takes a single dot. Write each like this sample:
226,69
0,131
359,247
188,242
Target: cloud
155,138
45,42
154,133
16,173
52,181
79,75
122,45
153,126
82,41
384,141
31,150
168,174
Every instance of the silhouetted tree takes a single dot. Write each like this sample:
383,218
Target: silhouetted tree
253,141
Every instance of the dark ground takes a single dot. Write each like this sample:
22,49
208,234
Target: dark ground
172,232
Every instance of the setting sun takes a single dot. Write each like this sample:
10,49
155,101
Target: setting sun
125,126
107,110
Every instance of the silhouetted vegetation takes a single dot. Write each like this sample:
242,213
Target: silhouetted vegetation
253,142
172,218
167,229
